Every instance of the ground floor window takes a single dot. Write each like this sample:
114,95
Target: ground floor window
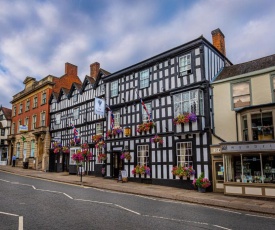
184,154
99,155
254,168
73,151
143,155
18,150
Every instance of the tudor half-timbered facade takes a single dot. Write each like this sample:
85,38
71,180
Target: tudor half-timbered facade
75,108
171,85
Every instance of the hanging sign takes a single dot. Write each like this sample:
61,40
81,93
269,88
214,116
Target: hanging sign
99,106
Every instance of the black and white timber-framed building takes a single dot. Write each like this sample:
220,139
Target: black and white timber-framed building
76,106
173,82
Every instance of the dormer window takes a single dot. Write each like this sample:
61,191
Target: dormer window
185,65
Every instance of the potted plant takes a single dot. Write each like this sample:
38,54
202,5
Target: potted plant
201,183
141,169
185,118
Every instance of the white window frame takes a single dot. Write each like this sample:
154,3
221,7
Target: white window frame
75,97
143,155
58,119
185,64
116,118
34,120
27,122
246,94
99,128
43,98
73,151
17,149
28,105
12,128
14,110
2,132
32,148
53,106
184,153
114,88
97,152
43,119
189,102
144,114
144,79
35,102
76,113
20,108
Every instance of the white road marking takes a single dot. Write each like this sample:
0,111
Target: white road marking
222,227
225,210
127,209
93,201
268,217
20,224
20,221
68,196
4,180
9,214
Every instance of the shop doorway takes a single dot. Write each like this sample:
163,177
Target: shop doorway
218,176
118,164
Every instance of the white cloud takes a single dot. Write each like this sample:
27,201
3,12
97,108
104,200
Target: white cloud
38,38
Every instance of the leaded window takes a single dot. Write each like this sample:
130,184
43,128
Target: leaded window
185,64
114,88
144,79
143,155
184,154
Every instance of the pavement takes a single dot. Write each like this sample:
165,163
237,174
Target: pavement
258,205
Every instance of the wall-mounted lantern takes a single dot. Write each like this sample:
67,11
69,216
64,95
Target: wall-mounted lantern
127,131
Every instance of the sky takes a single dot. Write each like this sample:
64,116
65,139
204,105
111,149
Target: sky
38,37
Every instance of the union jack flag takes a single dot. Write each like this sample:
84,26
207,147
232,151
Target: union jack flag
144,107
75,132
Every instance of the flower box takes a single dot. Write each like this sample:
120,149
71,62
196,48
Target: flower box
181,171
144,127
185,118
97,138
141,170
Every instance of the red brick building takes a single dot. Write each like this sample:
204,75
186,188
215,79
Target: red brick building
30,138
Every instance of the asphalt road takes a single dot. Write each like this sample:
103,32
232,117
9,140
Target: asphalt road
28,203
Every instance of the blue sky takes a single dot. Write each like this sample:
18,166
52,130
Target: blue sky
39,36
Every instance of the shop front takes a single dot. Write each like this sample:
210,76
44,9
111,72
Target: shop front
244,168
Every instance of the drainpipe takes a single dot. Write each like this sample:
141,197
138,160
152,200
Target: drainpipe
237,127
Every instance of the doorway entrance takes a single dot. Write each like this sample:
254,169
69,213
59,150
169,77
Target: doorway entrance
218,176
118,164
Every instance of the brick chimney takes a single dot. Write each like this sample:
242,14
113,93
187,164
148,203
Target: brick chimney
218,40
94,69
70,69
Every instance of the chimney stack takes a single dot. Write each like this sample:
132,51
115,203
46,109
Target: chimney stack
94,69
70,69
218,40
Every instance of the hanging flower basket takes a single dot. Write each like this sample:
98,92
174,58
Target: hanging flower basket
65,149
141,170
183,171
109,133
185,118
100,144
57,147
102,157
97,138
78,157
117,130
126,155
144,127
157,139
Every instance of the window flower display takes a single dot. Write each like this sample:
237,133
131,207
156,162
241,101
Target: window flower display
144,127
126,155
185,118
97,138
181,171
157,139
141,170
102,157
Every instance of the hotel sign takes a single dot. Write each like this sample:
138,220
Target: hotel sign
248,147
23,128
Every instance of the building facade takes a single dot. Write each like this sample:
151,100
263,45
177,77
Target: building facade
174,87
75,107
5,124
30,139
244,107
